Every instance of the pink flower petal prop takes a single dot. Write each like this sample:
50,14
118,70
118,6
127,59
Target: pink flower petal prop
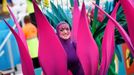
121,30
26,61
87,49
76,15
108,44
52,57
128,7
21,34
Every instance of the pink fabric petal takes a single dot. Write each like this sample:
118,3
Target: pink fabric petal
87,49
52,57
76,15
121,30
108,44
26,62
128,7
21,34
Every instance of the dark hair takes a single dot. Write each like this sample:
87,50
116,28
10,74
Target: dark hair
27,19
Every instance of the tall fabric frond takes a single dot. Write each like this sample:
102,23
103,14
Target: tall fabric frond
108,44
26,61
76,16
87,49
20,32
128,7
51,54
121,31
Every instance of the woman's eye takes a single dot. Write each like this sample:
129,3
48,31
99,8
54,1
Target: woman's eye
61,30
67,28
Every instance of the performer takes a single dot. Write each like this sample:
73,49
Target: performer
64,34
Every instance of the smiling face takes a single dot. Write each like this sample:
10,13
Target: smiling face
64,31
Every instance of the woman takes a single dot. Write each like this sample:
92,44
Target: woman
30,33
64,34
